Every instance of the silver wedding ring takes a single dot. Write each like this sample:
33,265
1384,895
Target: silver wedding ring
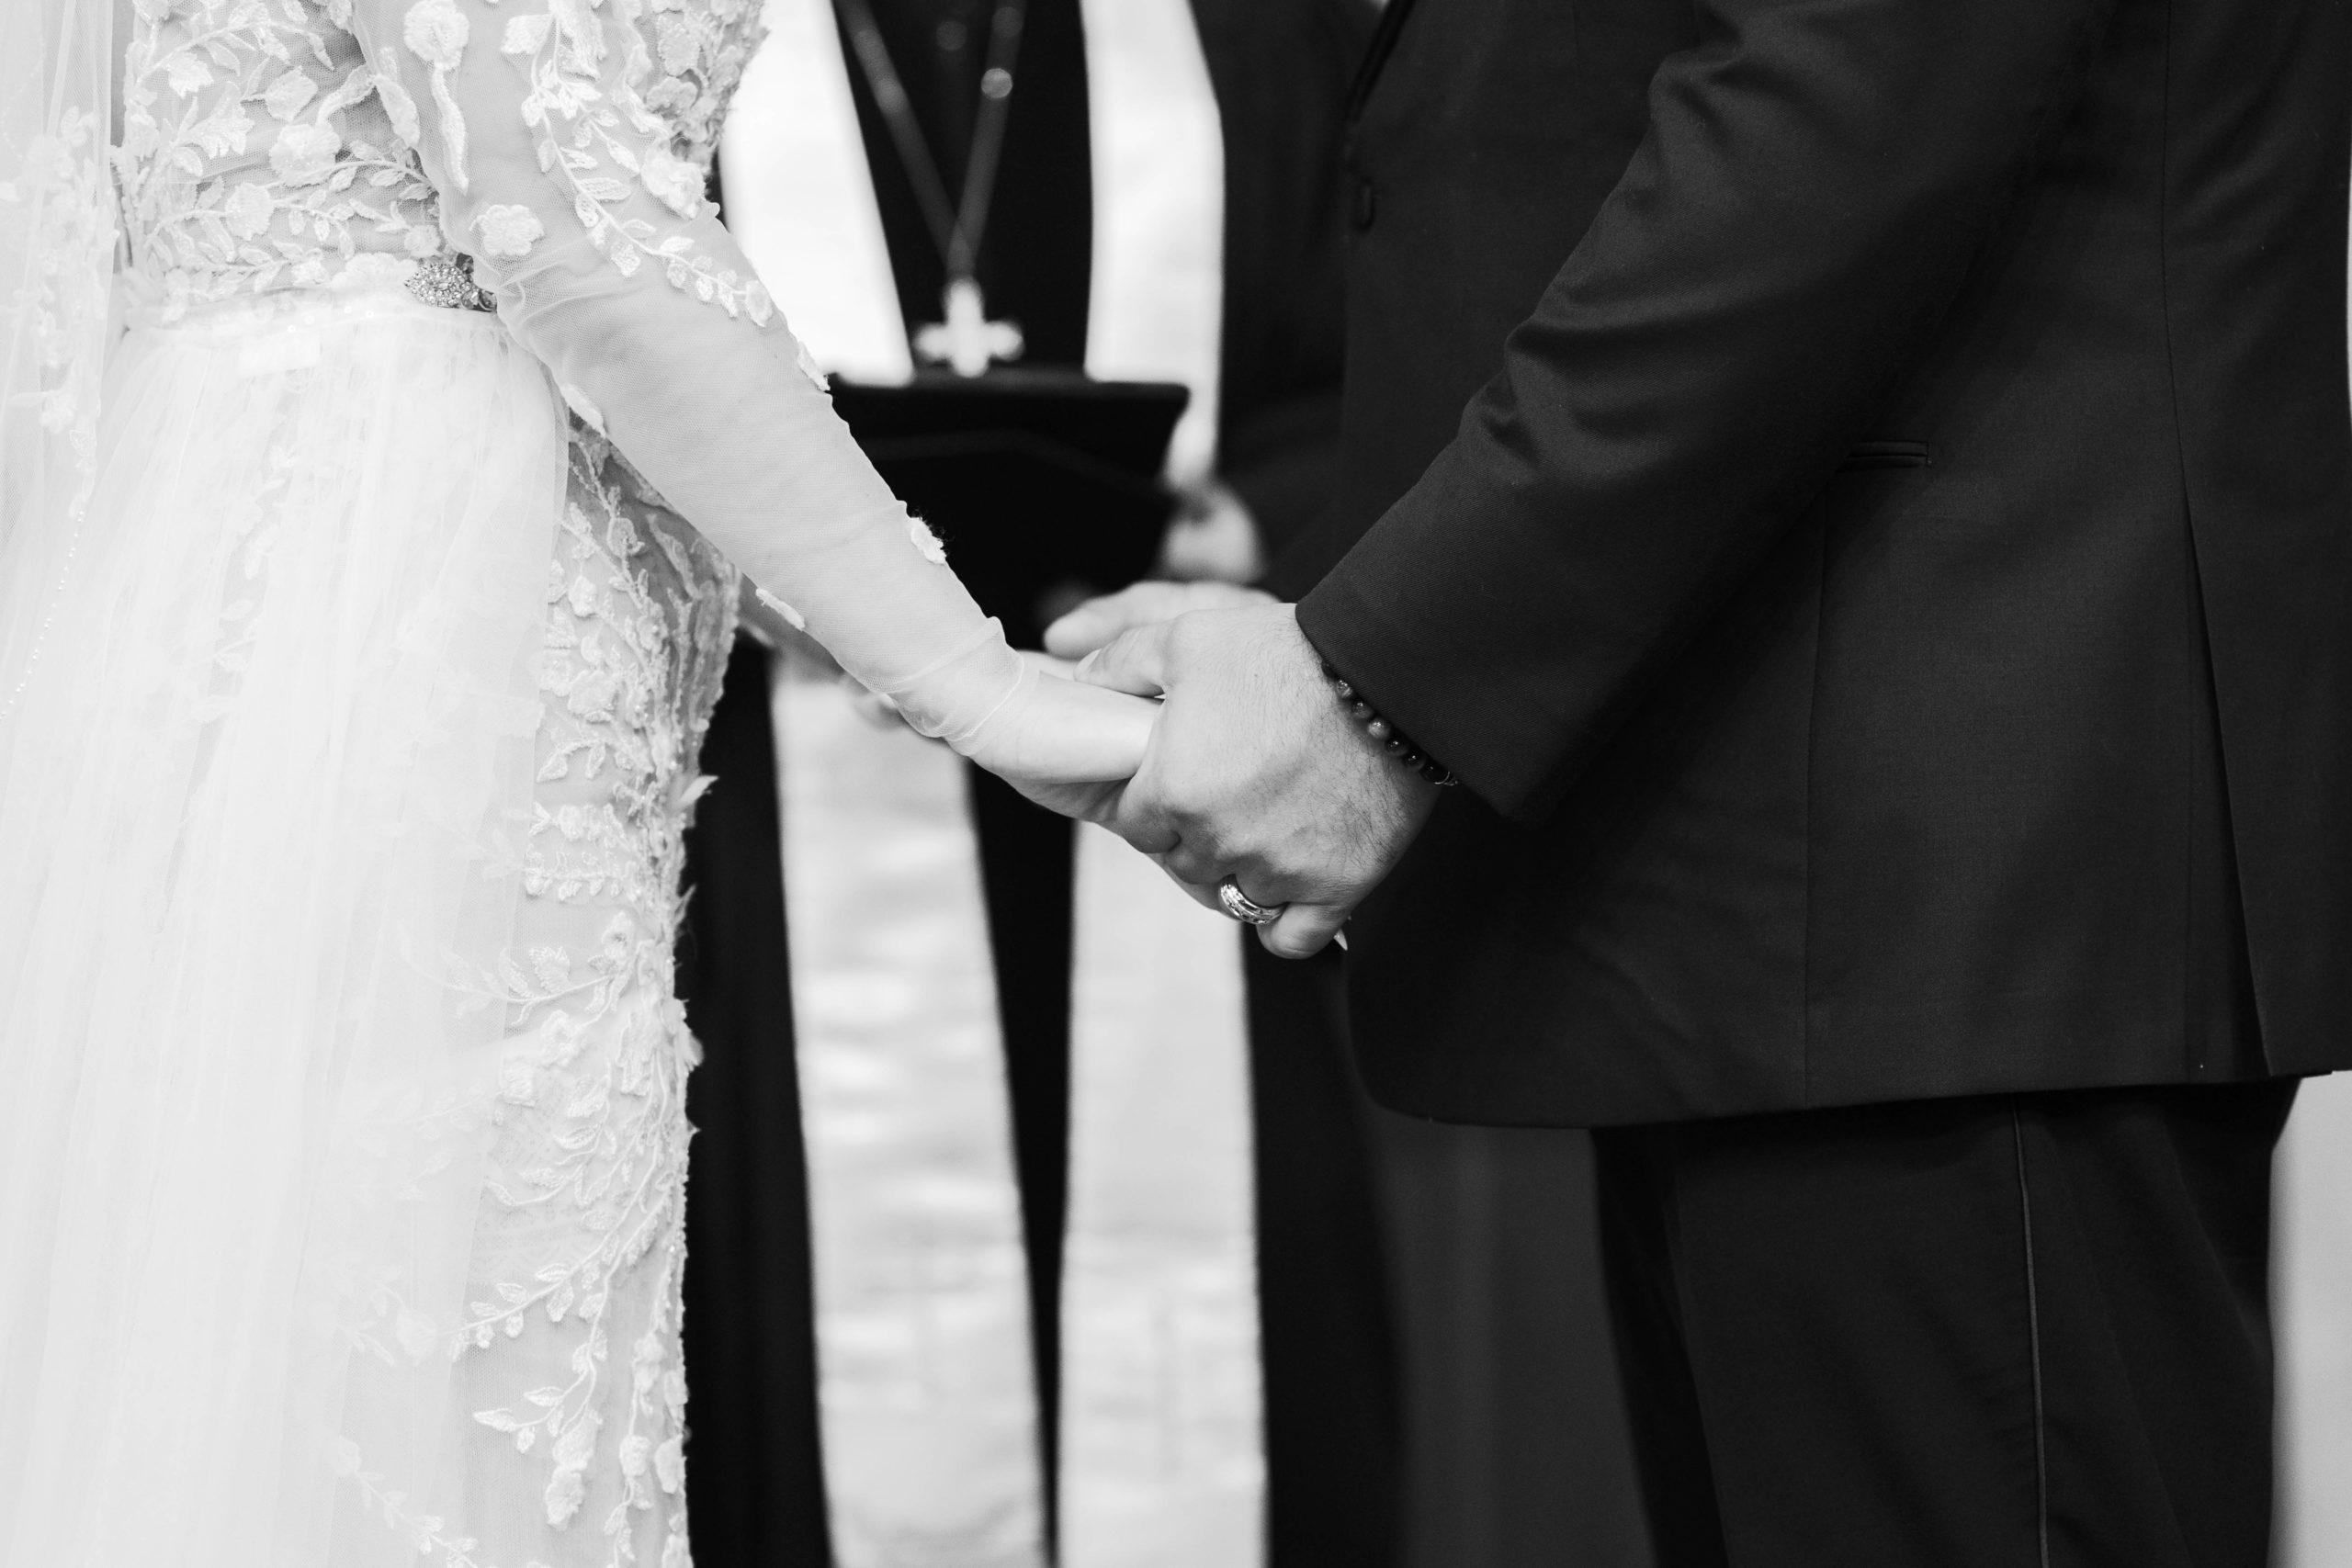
1243,907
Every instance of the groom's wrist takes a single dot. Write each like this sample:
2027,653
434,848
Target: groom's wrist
1354,676
1409,668
1392,740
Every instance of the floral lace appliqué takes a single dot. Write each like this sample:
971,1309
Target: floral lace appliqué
259,151
568,1351
591,1116
602,135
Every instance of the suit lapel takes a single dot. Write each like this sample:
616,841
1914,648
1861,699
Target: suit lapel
1375,55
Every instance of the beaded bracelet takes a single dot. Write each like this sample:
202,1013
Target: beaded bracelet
1391,738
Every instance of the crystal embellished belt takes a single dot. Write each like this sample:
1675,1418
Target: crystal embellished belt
448,280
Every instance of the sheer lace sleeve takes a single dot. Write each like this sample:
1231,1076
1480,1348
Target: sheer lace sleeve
553,139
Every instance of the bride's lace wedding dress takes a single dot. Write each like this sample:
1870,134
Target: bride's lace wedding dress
348,735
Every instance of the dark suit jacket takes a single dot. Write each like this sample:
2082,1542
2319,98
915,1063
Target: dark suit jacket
1886,594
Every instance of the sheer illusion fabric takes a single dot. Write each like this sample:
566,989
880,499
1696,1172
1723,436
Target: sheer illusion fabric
535,125
352,691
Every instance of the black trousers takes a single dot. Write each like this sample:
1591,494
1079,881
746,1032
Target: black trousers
2026,1331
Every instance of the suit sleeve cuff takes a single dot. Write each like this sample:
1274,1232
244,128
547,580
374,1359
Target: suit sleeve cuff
1427,684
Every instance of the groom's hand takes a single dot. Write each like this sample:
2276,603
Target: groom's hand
1256,771
1097,621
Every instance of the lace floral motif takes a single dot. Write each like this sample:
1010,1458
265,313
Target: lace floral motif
567,1356
64,196
258,150
582,1232
604,136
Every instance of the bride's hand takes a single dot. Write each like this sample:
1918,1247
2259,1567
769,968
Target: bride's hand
1064,745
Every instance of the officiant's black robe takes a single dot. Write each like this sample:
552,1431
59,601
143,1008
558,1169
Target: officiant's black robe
1280,70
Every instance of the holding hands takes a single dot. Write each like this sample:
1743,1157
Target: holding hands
1255,774
1067,745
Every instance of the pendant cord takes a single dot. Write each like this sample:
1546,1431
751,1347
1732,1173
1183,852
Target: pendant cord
956,229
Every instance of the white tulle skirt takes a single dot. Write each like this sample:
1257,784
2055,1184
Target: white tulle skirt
259,790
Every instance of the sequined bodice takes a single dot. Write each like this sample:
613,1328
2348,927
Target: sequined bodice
261,151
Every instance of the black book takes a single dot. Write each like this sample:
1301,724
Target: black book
1044,484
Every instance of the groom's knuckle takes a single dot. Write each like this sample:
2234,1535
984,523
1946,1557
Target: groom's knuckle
1183,802
1204,843
1188,633
1195,863
1247,851
1186,813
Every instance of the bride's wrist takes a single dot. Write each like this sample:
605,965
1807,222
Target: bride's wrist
956,696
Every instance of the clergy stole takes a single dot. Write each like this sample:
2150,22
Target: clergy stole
927,1396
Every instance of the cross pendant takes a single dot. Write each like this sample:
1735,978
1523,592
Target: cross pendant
967,342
